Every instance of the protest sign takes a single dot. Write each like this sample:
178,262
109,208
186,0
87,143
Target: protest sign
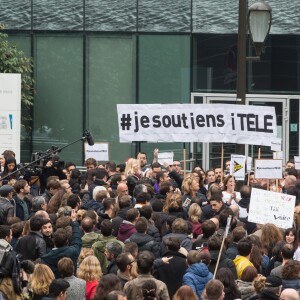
270,207
221,123
268,168
98,151
167,157
297,162
10,116
276,144
237,166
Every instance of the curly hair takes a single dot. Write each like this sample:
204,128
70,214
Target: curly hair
40,279
291,270
259,283
173,201
90,269
270,235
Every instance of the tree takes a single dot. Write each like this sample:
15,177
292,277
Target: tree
13,60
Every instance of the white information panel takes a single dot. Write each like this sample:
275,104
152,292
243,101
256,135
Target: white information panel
10,113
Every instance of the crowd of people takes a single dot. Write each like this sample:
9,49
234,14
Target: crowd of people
142,231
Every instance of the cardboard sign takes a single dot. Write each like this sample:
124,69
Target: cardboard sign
270,207
238,166
98,151
167,157
268,168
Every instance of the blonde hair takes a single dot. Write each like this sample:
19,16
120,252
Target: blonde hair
173,200
40,279
90,269
129,170
85,252
186,184
195,213
259,283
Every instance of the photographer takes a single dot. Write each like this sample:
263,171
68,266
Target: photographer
53,167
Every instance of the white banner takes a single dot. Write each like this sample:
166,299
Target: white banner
268,168
237,166
10,115
270,207
98,151
167,157
221,123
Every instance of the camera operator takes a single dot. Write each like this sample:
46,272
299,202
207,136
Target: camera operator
52,168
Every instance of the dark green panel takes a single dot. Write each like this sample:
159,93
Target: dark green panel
111,81
58,102
164,70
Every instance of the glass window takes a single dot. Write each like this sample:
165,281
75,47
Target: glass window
58,103
15,14
214,62
58,15
111,81
110,15
164,16
164,77
294,128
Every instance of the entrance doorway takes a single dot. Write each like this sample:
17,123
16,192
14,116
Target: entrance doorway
208,155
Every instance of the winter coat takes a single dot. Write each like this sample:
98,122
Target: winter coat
31,246
153,231
291,284
92,205
145,242
126,230
223,263
171,274
72,251
19,208
185,241
89,239
232,251
246,289
197,276
117,221
99,248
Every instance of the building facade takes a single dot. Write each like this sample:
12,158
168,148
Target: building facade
90,55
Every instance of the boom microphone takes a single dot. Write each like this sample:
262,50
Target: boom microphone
89,138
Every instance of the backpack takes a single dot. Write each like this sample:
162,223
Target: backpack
9,264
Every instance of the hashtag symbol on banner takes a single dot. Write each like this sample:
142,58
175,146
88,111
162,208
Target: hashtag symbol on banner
126,121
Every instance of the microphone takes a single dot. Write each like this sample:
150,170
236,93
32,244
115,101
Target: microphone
89,138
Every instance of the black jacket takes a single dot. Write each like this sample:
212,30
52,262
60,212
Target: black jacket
31,246
172,273
116,222
19,207
145,242
224,263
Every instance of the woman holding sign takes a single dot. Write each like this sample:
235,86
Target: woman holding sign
229,195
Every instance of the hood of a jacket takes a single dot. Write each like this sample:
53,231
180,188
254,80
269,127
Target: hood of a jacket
126,227
141,238
199,269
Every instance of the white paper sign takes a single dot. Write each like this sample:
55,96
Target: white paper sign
268,168
98,151
270,207
220,123
276,144
297,162
237,166
167,157
278,155
10,114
